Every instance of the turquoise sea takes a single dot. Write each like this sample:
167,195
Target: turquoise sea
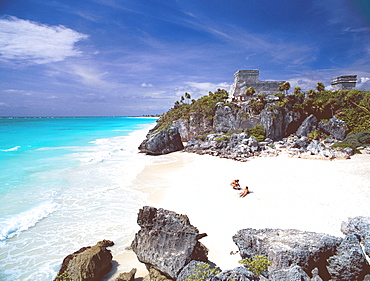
66,183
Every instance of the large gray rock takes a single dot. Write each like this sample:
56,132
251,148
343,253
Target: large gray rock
167,241
237,274
293,273
285,248
233,118
335,128
279,122
359,226
197,268
307,126
349,262
162,141
87,264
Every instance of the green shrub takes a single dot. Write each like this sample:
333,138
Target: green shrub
63,277
258,132
203,272
364,138
345,145
222,138
314,135
257,264
202,137
352,139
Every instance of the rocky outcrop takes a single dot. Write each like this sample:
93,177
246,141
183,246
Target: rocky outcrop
195,268
299,255
236,146
237,274
167,241
280,122
168,244
349,261
127,276
241,146
335,128
162,141
307,126
359,226
233,118
287,247
87,264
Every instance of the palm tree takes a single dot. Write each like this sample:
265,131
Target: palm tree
320,87
188,97
297,90
286,87
281,87
250,91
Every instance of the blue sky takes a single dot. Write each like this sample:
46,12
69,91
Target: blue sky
129,58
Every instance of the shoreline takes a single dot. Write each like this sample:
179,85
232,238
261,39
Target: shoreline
287,193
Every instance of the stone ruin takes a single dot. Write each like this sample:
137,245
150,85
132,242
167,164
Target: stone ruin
243,79
344,82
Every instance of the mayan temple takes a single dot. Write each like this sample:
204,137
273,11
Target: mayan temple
243,79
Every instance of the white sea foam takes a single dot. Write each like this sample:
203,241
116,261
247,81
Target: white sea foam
11,149
16,224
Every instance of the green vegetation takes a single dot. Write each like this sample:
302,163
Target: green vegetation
258,132
257,264
205,106
314,135
358,139
63,277
203,272
345,145
353,107
250,91
222,138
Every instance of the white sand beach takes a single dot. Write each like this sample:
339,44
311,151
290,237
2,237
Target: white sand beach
287,193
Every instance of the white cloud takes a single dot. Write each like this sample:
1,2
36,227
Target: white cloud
146,85
207,86
32,42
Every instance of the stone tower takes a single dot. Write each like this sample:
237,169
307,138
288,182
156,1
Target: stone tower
243,79
344,82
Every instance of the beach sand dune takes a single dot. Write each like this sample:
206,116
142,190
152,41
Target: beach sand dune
287,193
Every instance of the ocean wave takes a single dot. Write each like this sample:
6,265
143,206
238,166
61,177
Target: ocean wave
11,149
25,220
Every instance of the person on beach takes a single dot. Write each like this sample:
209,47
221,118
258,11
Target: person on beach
235,184
245,192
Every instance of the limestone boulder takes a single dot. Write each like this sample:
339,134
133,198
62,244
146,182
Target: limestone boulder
167,241
307,126
237,274
336,128
87,264
349,261
162,141
286,248
359,226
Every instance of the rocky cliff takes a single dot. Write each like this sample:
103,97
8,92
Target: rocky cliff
281,116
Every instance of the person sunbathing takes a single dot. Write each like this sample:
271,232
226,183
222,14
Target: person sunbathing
235,184
245,192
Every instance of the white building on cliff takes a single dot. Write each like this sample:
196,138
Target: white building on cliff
243,79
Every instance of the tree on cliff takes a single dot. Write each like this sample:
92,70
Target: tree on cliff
188,97
250,91
320,87
286,86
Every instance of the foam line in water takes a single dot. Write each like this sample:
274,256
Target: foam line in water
25,220
12,149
